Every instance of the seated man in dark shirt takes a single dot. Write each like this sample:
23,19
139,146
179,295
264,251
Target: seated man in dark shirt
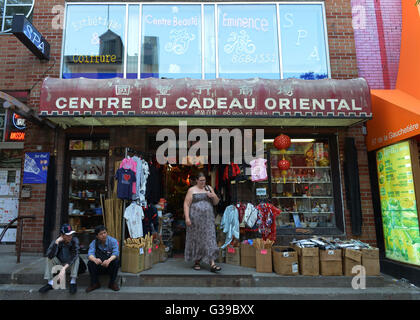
63,251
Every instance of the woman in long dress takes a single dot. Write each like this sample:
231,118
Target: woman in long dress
200,242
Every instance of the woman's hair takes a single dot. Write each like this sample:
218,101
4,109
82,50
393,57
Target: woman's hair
199,175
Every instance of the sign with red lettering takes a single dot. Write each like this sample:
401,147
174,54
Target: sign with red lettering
206,98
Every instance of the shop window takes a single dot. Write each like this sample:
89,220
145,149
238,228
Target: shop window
94,41
200,41
248,42
171,41
133,41
304,50
306,192
8,8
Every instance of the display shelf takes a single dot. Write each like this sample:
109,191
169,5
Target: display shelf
306,212
85,215
302,182
311,197
304,167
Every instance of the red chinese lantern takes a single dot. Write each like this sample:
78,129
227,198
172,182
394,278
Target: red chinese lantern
284,165
282,142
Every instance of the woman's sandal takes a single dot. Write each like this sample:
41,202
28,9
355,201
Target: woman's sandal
215,268
197,266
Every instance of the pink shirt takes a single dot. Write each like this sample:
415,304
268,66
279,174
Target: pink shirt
129,163
258,169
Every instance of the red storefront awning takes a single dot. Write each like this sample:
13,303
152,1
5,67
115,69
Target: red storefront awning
260,102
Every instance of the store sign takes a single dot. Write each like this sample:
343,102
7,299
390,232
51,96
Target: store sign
19,122
17,136
398,203
206,98
16,126
30,37
103,58
35,168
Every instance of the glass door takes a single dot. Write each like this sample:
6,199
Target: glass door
87,182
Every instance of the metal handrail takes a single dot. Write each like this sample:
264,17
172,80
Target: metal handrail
20,232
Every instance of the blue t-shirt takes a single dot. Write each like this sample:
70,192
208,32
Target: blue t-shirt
125,178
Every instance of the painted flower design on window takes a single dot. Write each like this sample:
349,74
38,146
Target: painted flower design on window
180,41
239,43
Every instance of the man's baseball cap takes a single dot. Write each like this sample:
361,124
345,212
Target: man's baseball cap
66,229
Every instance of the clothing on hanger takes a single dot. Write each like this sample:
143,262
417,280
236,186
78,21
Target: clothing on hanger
125,179
230,224
130,163
266,222
251,215
259,170
134,218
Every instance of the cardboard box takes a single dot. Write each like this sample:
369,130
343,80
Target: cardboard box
222,256
308,260
132,260
351,258
331,262
285,263
370,260
264,260
148,258
155,253
233,255
163,252
248,258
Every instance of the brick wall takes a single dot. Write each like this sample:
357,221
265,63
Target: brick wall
23,71
377,34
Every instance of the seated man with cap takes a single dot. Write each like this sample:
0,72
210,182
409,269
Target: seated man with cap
65,252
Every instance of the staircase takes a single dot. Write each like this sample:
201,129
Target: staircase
176,280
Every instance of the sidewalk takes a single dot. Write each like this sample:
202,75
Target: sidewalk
176,280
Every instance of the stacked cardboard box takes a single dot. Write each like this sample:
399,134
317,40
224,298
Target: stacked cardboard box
263,256
248,255
233,255
330,262
285,261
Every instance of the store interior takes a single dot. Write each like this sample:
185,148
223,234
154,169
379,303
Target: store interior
304,192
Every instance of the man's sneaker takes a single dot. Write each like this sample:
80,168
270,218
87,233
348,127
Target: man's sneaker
73,288
45,288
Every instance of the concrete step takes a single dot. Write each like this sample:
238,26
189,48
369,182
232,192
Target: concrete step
30,292
178,273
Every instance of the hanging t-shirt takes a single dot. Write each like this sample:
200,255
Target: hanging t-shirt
134,217
125,179
130,163
258,169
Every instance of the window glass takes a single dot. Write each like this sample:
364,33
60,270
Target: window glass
248,41
133,41
10,7
209,43
303,41
304,192
171,41
94,44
